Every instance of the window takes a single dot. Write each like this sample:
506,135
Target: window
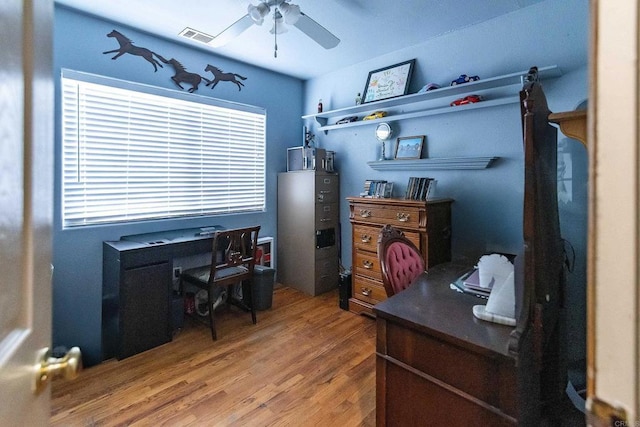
134,152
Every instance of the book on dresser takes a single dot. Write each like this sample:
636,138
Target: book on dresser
375,188
419,188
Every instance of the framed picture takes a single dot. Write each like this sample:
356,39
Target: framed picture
409,147
388,82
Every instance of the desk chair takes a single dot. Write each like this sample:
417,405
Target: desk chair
400,260
232,262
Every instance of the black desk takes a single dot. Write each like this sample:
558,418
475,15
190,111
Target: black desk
435,361
136,287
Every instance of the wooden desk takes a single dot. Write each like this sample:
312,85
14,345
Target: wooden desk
436,364
136,287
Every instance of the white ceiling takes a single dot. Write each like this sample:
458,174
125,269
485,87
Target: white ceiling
366,28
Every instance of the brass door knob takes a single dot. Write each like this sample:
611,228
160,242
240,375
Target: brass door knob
48,368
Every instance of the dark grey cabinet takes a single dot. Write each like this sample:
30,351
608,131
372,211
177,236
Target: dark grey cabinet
145,308
308,230
136,300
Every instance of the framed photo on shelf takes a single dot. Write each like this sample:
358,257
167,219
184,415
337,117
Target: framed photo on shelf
409,147
388,82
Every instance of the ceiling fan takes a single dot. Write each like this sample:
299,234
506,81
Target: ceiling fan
283,13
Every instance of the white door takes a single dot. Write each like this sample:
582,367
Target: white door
26,188
614,215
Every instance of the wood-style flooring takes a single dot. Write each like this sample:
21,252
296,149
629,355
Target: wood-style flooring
305,363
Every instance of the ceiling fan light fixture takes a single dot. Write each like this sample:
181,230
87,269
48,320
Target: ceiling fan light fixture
257,13
278,21
291,13
283,13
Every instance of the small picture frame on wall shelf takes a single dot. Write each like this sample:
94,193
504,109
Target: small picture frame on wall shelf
409,147
388,82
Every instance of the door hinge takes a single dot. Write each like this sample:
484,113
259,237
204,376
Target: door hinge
603,414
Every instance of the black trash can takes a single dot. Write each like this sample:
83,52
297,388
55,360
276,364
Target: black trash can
344,289
263,281
177,311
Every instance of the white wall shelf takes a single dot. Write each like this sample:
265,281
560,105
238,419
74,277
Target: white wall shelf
428,112
434,163
433,102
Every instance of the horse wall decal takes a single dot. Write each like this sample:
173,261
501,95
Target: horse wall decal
126,46
182,75
219,76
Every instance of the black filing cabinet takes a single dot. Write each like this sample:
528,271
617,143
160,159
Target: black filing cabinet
136,301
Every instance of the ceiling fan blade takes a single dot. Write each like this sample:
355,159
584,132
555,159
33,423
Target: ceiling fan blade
232,31
317,32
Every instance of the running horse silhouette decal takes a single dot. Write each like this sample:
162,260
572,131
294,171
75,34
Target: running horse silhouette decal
219,76
126,46
182,75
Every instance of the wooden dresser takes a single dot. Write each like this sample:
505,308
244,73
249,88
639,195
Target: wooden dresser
427,224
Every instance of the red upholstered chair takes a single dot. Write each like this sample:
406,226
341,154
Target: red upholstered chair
400,260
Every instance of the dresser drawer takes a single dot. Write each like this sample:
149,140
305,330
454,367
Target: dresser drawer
366,237
477,374
398,216
368,290
366,264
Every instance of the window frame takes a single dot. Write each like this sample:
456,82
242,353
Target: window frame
256,157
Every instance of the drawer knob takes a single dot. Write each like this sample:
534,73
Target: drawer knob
367,264
325,220
403,217
365,238
366,291
365,213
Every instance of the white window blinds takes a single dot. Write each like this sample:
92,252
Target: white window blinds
132,152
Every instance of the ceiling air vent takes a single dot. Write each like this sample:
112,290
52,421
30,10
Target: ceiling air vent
196,35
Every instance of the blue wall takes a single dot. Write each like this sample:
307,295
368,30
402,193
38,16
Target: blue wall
77,254
487,212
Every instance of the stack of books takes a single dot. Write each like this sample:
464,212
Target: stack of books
377,188
469,283
419,188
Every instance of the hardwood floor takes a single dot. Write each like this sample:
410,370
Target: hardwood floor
305,363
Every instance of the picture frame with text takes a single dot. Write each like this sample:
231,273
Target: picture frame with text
388,82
